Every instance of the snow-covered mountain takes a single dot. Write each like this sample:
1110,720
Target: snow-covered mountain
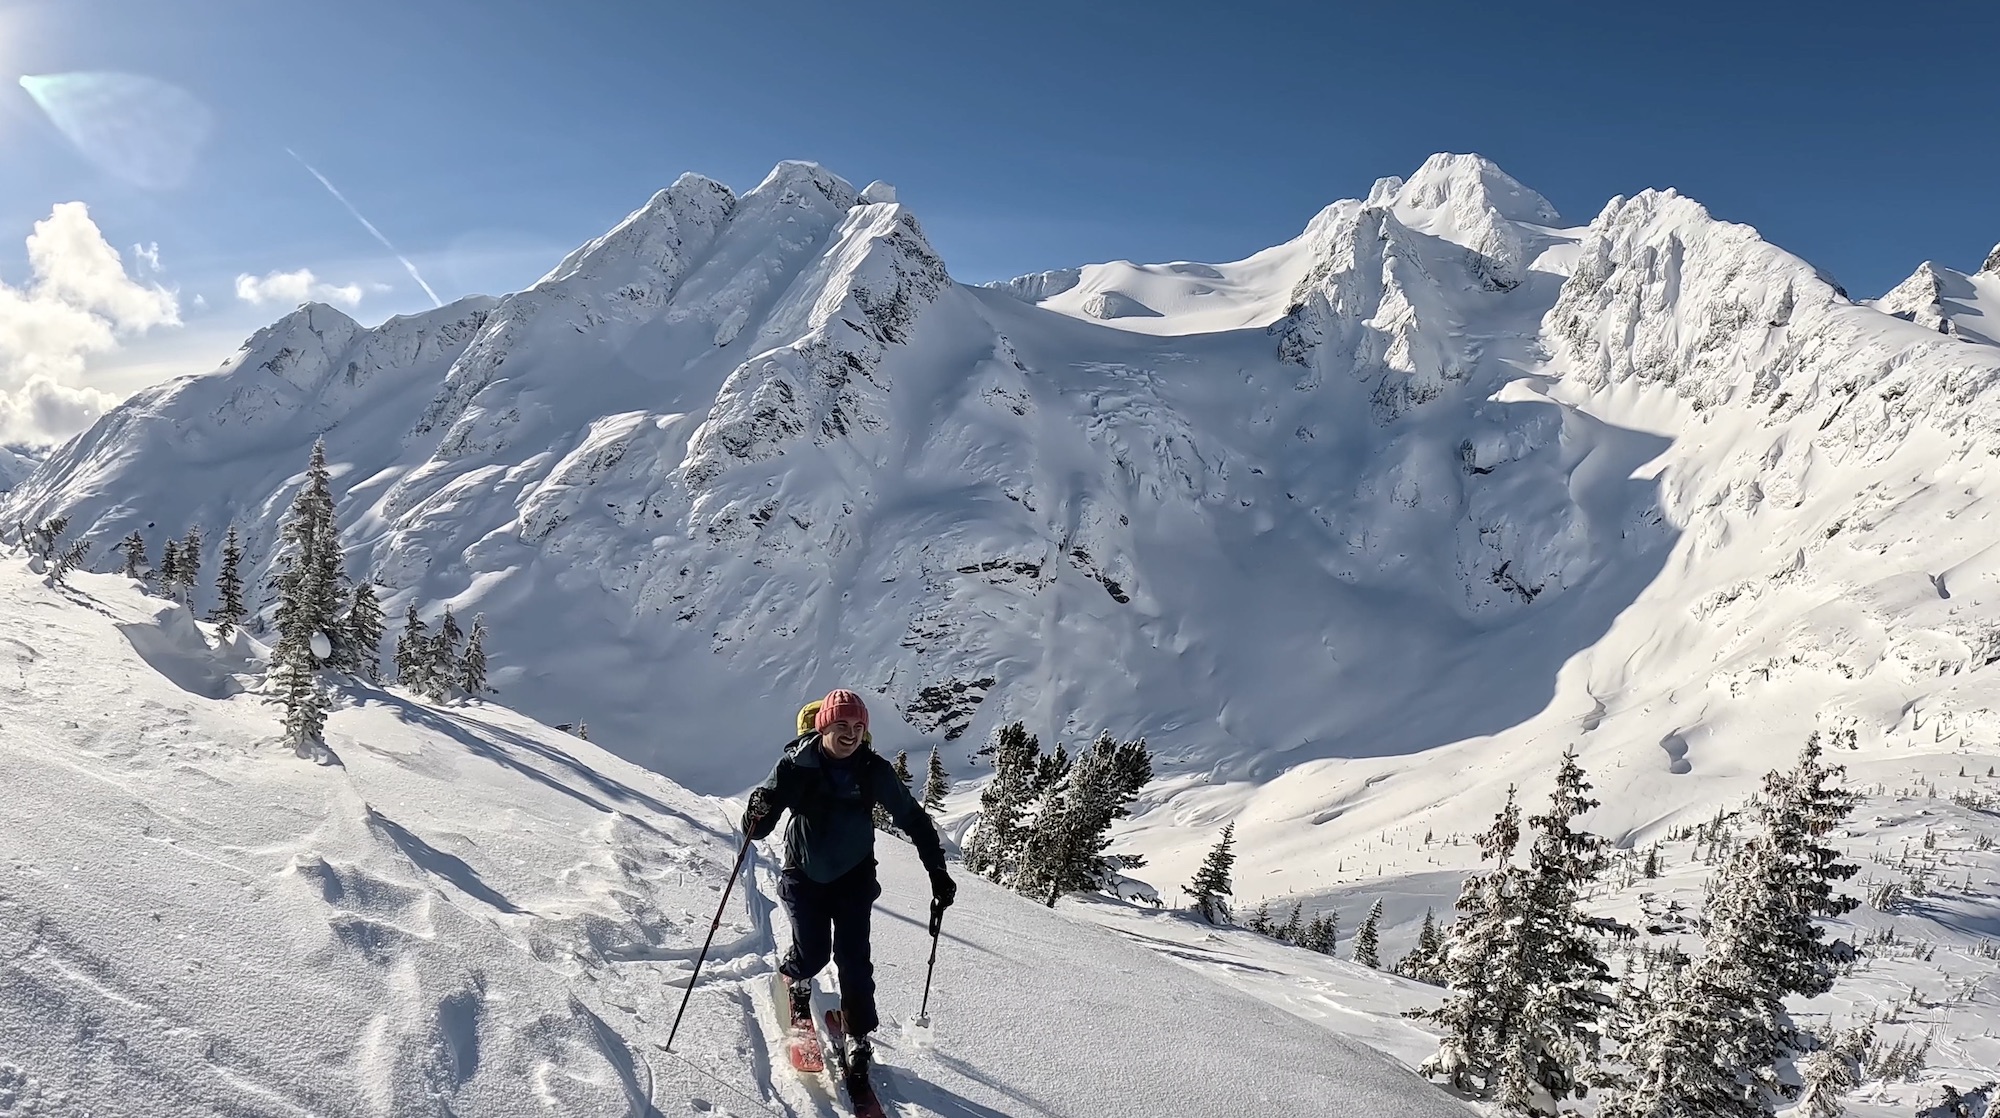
1357,531
1950,302
14,468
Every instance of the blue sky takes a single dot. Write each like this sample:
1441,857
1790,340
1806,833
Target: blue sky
487,137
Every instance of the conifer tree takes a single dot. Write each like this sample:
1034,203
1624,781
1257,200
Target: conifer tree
1828,1073
309,574
1797,809
1367,938
190,565
361,632
996,844
66,560
1554,980
41,542
472,665
1652,869
1671,1055
133,549
1487,905
1322,933
229,612
1294,925
936,784
1425,962
1726,1021
1260,920
1211,882
170,569
413,649
1064,852
439,666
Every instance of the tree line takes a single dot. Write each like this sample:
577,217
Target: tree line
1533,1015
325,620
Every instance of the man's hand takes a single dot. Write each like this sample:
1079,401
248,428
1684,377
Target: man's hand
943,889
759,809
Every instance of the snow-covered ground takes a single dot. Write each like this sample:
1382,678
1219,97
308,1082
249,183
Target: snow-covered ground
468,913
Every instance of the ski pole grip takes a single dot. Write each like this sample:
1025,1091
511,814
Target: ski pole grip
937,917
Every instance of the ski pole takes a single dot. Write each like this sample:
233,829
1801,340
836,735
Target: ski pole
937,922
741,851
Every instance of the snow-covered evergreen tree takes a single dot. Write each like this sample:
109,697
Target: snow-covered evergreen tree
1050,768
1488,906
190,565
1064,851
1260,920
133,550
49,556
41,542
361,632
1558,983
309,575
441,663
472,664
1425,961
1321,933
936,784
413,651
1828,1074
229,611
67,559
1368,937
170,569
1672,1060
1211,882
1797,809
996,843
1294,925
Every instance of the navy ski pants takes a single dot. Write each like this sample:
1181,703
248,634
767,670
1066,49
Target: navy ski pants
830,920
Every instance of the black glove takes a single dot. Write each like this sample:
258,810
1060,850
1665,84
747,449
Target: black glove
943,889
759,809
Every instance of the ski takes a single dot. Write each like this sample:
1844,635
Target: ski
802,1046
860,1092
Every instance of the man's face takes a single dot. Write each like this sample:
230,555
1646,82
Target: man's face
841,738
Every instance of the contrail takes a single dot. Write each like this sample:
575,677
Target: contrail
368,225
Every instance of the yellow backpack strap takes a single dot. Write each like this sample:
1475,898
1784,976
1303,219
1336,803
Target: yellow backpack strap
808,714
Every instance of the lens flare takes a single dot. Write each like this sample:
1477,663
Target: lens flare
139,129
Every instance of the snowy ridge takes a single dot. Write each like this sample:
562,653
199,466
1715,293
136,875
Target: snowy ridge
1938,298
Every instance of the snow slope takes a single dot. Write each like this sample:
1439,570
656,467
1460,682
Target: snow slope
1356,532
469,913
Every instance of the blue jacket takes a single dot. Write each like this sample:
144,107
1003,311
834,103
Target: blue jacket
832,829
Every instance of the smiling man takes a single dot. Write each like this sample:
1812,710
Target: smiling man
830,779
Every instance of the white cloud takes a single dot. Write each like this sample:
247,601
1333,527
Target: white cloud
293,288
78,301
201,302
150,254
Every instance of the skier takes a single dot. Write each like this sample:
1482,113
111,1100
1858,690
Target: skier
830,780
